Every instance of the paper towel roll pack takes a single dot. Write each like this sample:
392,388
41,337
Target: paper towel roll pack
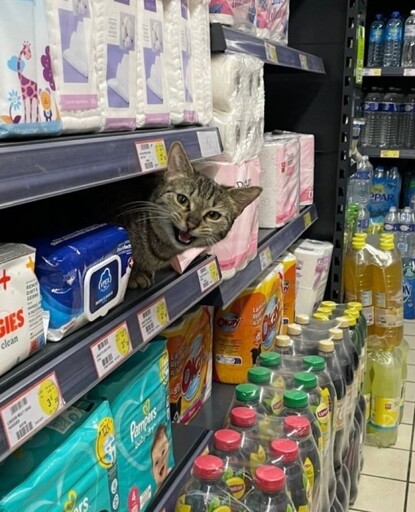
280,179
272,20
239,14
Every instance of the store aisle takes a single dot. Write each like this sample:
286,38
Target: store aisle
388,480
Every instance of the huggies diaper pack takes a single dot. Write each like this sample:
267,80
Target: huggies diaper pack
82,276
70,465
138,394
248,327
189,343
21,326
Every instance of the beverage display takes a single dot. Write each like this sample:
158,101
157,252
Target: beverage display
393,41
390,119
284,345
408,51
376,42
270,396
370,135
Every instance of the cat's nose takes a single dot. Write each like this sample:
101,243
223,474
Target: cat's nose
192,221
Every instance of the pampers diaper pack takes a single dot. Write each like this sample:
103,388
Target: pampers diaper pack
248,327
70,465
21,327
82,275
189,343
138,393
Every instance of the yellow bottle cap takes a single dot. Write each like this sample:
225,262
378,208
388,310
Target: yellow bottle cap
351,319
360,235
352,312
328,304
326,345
386,244
355,305
302,319
294,330
342,322
325,310
282,340
336,334
321,317
358,244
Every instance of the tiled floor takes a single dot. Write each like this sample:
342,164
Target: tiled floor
388,480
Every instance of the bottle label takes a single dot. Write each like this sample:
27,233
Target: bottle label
322,414
409,294
349,398
198,499
309,471
409,31
370,106
369,315
303,508
409,107
368,398
376,35
389,317
390,227
363,225
380,299
388,106
366,298
339,414
235,482
394,34
384,412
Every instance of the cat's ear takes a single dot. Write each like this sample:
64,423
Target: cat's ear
178,163
243,196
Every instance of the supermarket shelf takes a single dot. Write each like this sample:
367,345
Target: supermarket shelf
388,71
272,243
228,39
188,443
408,154
38,169
79,361
212,414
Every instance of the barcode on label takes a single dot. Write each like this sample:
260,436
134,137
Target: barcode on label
107,360
149,328
147,313
18,405
103,344
109,351
153,319
148,165
145,146
24,430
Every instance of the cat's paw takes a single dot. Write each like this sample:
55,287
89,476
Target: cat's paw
140,279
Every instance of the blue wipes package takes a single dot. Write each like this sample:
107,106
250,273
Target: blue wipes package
82,275
138,394
69,466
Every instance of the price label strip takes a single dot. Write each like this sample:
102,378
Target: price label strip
265,258
307,220
109,351
153,319
409,72
372,72
271,52
31,410
208,275
303,61
390,153
152,155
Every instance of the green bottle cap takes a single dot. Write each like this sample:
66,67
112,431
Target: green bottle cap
295,399
270,359
247,392
259,375
316,363
307,380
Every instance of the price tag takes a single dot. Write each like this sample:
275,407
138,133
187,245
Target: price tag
409,72
372,72
265,258
208,275
153,319
109,351
152,155
303,61
31,410
271,52
307,220
389,153
209,143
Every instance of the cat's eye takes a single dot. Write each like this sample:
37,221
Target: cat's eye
181,199
212,215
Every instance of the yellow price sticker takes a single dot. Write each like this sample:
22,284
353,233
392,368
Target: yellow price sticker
161,153
208,275
271,52
122,340
49,397
153,318
390,153
161,312
307,220
303,61
213,271
109,351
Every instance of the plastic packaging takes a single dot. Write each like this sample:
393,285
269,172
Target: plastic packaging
408,51
393,41
376,42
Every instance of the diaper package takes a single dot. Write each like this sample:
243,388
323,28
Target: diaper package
28,102
247,327
240,245
179,61
272,20
289,262
153,107
189,343
116,62
70,465
73,56
280,179
240,14
313,266
138,393
82,276
21,326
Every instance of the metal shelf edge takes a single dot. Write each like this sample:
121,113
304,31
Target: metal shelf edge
401,154
377,72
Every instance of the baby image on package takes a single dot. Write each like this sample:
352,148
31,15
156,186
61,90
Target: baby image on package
138,394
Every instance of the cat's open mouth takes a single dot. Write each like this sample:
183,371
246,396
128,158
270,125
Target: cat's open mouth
183,237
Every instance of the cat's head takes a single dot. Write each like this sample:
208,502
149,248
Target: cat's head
199,211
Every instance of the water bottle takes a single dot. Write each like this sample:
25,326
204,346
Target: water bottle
363,218
405,227
408,264
393,41
394,183
407,137
376,42
408,51
361,183
391,224
390,119
370,135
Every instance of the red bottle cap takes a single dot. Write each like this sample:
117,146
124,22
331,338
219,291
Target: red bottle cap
285,449
227,440
299,425
243,417
208,467
269,479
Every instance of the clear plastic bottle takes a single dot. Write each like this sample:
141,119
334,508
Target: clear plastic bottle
390,119
284,345
408,51
361,182
272,361
408,120
270,396
391,224
248,395
393,41
370,136
408,267
404,236
353,459
376,42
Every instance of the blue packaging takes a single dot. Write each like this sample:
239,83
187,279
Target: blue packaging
138,394
82,276
70,465
409,289
385,192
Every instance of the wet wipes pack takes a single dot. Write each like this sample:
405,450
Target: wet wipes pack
70,465
82,276
138,394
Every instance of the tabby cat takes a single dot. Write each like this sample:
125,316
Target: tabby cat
186,210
